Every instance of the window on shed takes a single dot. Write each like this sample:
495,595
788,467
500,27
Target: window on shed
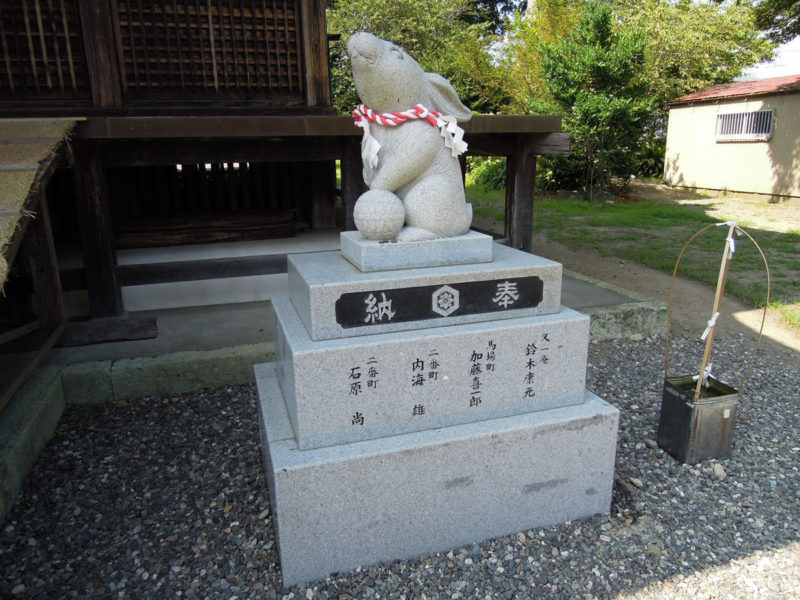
744,126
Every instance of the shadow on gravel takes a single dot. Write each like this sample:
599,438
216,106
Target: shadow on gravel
166,498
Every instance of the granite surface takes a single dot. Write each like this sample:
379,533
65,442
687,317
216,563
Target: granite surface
403,496
369,255
418,158
334,299
351,389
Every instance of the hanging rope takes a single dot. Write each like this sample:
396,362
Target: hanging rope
448,127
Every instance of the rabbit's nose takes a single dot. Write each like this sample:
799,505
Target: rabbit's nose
364,45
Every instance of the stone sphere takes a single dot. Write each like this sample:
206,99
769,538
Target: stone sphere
379,215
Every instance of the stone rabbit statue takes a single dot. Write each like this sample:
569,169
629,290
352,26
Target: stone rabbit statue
410,146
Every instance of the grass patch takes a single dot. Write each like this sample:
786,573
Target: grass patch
487,203
653,233
789,312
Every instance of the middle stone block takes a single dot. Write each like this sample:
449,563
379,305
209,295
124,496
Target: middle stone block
352,389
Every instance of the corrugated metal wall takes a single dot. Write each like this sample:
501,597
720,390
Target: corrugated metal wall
694,158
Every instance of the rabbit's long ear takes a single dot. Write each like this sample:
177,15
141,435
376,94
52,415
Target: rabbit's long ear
445,99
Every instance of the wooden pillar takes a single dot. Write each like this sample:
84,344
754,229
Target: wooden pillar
315,53
47,292
93,210
99,38
352,179
323,194
48,299
520,191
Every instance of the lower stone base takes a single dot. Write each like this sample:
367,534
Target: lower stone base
403,496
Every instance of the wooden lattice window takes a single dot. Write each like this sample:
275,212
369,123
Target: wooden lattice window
42,50
238,48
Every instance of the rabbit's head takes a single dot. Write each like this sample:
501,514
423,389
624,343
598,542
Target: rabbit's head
388,80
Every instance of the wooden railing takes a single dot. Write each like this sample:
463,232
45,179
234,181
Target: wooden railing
142,55
210,47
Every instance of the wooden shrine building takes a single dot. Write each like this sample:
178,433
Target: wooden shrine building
197,121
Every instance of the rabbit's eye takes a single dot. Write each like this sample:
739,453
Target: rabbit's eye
398,52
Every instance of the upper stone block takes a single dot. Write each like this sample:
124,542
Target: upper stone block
369,255
336,300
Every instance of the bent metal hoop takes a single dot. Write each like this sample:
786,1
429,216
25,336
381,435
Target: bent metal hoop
708,334
453,134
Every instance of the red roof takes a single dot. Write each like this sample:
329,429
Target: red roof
743,89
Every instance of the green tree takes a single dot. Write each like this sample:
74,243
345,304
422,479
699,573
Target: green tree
495,13
780,19
521,60
692,45
689,46
445,36
597,79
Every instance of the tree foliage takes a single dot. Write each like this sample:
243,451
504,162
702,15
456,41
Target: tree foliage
495,54
688,45
449,37
780,19
694,45
521,62
495,14
596,77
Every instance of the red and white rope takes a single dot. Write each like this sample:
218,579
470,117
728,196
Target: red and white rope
453,134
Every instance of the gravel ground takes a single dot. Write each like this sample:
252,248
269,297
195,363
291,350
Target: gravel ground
166,498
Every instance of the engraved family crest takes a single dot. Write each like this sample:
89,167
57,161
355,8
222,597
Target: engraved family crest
445,301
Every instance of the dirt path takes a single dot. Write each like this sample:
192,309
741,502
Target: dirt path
693,300
754,211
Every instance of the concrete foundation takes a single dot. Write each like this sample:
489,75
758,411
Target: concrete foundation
25,427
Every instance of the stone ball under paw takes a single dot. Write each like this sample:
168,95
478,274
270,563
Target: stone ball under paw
379,215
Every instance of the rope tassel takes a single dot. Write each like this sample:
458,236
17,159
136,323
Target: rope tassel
734,228
712,322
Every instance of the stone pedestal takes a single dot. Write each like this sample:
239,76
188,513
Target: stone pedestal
390,430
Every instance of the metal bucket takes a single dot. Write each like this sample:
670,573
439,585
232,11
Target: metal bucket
696,422
693,430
